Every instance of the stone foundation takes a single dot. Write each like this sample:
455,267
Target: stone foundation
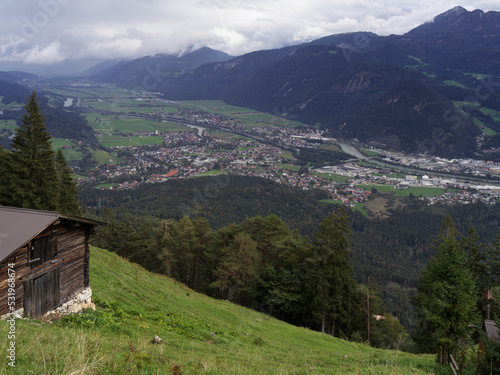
78,303
74,306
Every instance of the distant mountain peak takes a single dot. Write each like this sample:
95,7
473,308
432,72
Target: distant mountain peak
452,15
455,11
459,19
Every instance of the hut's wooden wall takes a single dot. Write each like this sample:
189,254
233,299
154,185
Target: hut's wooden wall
71,262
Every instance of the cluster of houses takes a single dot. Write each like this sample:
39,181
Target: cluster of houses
464,197
292,137
437,164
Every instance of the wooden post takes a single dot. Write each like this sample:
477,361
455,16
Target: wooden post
440,355
368,314
453,362
453,365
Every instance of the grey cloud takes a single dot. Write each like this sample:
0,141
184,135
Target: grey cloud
49,31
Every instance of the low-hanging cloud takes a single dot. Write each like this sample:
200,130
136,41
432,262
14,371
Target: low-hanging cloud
49,31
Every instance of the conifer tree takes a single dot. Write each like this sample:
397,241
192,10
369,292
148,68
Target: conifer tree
29,178
333,282
238,269
447,292
32,175
67,193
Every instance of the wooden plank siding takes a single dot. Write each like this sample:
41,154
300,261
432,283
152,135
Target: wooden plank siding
68,267
20,260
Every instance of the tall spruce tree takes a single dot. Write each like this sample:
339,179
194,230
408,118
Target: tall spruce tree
333,284
447,292
30,174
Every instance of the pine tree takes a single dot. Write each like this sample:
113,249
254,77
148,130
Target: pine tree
28,177
67,192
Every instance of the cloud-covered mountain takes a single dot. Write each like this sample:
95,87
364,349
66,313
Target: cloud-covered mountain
148,72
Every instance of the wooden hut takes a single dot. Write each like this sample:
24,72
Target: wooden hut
44,260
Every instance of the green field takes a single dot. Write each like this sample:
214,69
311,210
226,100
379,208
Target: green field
104,157
216,106
478,122
106,124
416,191
367,164
201,335
105,186
226,135
97,92
462,103
72,154
489,131
59,142
8,124
357,206
116,141
290,167
332,201
331,176
247,116
132,106
330,147
213,172
369,152
478,75
495,115
453,83
360,207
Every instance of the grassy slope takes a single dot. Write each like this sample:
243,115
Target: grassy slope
140,304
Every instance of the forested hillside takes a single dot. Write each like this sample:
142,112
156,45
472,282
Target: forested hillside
393,250
61,122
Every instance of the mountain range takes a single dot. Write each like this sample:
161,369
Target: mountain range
412,92
146,73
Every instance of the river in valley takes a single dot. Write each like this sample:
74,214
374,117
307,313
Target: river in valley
199,128
351,150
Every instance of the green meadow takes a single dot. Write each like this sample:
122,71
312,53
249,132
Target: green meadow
201,335
116,141
415,190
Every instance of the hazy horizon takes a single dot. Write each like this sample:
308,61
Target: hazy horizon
40,34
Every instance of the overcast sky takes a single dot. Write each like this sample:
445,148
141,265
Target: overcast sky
50,31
